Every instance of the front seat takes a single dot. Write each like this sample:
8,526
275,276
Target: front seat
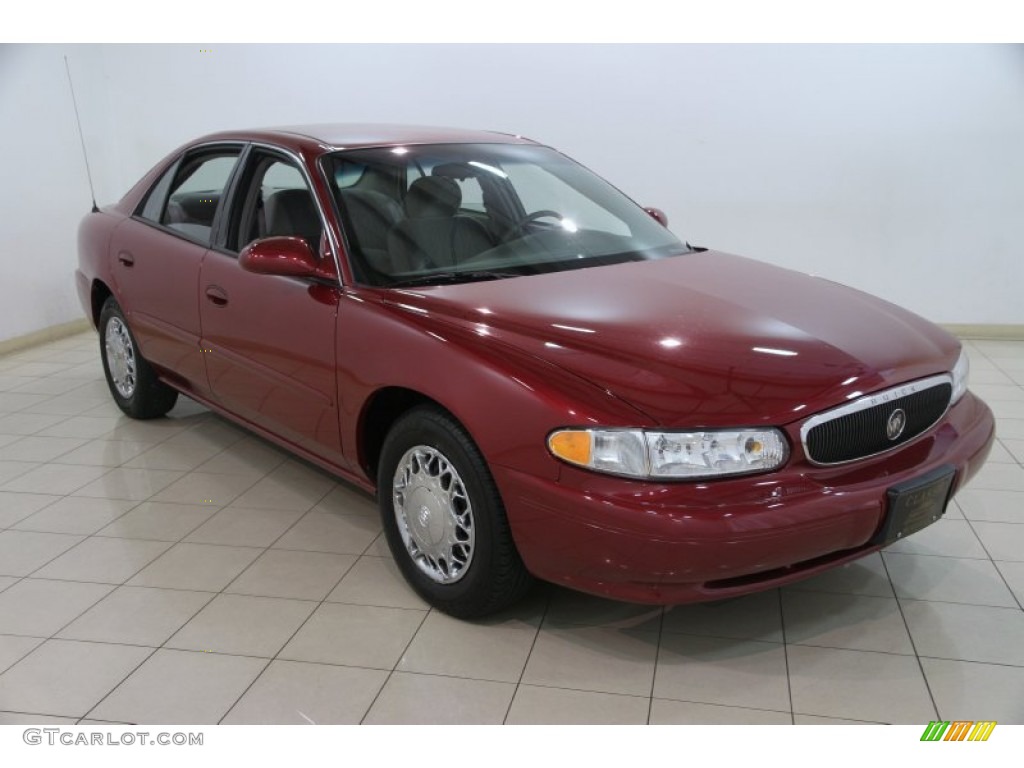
291,212
432,235
371,216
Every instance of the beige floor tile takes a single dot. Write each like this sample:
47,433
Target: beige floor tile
1000,477
244,527
533,705
819,720
965,690
180,687
35,448
1013,573
667,712
966,632
376,581
866,576
14,648
249,456
11,402
1014,448
354,635
948,538
40,608
287,573
324,532
754,617
490,649
992,506
104,453
160,521
22,552
568,608
298,693
11,470
21,718
84,427
948,579
105,561
6,581
55,479
289,486
155,430
379,547
67,678
344,499
712,670
125,483
855,622
15,507
137,616
67,405
243,625
1004,541
8,439
999,453
75,515
858,685
201,567
593,659
29,423
177,457
1007,428
203,488
410,699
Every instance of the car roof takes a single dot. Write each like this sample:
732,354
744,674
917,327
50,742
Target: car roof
353,135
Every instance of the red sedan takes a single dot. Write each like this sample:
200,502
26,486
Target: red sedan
533,373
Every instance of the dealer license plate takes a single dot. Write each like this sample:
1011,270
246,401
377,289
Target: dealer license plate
915,504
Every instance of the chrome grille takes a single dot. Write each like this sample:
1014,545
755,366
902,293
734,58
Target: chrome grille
860,429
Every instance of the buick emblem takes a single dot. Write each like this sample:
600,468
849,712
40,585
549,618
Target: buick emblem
894,426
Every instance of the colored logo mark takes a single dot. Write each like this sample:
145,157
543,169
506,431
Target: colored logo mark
958,730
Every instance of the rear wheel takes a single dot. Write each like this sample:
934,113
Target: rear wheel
444,519
133,383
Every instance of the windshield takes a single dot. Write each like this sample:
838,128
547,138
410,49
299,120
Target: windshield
448,213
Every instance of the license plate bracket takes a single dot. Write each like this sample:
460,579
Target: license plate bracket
915,504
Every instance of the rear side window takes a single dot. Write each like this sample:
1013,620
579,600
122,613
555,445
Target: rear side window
187,198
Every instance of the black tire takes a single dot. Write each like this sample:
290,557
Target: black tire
148,397
494,577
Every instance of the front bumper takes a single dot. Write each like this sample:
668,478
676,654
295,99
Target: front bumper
667,543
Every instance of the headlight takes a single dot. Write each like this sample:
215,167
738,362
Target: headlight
671,455
961,372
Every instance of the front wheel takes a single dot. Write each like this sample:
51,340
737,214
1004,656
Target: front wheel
133,383
444,519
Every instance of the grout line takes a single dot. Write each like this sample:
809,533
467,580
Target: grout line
657,659
533,644
785,655
913,645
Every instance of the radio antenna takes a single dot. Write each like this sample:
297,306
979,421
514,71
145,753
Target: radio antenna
81,136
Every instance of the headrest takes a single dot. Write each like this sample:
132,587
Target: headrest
432,197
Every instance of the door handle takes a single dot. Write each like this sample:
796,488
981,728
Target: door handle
126,258
217,295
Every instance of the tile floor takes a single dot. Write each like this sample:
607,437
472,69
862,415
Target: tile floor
184,571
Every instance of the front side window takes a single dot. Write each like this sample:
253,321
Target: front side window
274,200
461,212
194,195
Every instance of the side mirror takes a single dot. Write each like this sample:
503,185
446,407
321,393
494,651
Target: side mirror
658,215
284,256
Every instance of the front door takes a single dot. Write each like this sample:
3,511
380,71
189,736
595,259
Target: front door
268,340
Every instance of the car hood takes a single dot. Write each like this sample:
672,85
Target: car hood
703,339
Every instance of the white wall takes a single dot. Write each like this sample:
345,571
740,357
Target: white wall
898,170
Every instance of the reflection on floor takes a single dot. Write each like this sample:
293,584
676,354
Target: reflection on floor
184,571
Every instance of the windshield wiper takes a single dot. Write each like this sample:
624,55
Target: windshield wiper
449,278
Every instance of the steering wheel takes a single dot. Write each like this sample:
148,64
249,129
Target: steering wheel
517,228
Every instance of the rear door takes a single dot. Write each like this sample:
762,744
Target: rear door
156,257
270,340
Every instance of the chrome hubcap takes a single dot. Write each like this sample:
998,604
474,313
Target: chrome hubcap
120,357
434,514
